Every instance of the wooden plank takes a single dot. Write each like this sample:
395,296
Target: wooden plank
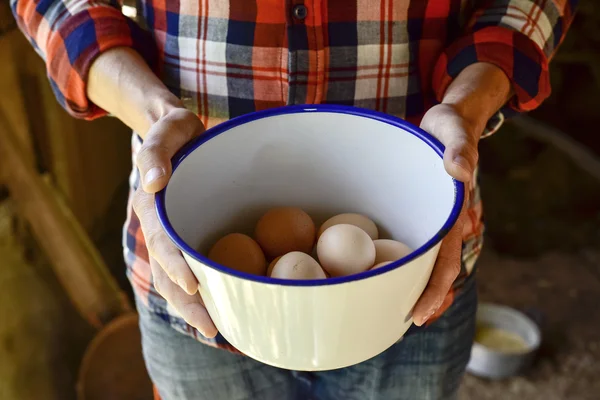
25,303
36,322
11,100
88,160
76,261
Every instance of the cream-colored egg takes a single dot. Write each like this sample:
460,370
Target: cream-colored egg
389,250
345,250
297,265
383,264
359,220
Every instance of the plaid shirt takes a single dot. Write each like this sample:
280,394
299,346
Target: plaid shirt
225,58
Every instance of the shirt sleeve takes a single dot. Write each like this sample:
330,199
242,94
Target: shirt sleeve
69,35
518,36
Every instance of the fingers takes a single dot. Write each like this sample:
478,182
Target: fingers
459,137
446,269
173,278
161,143
160,246
189,307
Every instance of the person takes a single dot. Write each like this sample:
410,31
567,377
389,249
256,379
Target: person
454,67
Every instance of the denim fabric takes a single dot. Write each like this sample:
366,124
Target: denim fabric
428,364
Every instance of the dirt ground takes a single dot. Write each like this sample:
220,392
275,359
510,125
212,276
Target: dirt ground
564,289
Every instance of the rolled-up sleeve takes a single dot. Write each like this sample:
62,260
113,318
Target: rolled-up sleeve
69,35
518,36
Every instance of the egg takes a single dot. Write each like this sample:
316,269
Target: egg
345,250
358,220
313,252
389,250
297,265
283,230
271,265
383,264
240,252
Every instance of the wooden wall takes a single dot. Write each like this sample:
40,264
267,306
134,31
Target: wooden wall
87,161
42,338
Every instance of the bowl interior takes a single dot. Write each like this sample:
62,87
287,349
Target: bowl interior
324,160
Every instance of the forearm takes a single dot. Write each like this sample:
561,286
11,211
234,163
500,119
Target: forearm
121,83
478,92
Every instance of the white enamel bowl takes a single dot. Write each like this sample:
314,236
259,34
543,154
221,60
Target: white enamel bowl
326,160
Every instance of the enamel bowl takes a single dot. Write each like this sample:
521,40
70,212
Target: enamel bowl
497,362
326,160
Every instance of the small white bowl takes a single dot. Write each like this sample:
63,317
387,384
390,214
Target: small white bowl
493,363
326,160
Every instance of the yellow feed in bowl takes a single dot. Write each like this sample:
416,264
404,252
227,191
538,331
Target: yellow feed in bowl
500,340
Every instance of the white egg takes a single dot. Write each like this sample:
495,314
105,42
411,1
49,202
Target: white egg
297,265
389,250
345,250
359,220
383,264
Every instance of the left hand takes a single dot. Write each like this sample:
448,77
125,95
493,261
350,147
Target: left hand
460,137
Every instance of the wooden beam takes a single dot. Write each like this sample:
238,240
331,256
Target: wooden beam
75,260
88,160
36,320
11,100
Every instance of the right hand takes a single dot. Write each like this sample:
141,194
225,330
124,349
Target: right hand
172,277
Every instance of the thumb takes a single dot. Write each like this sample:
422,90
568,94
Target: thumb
460,159
162,141
460,138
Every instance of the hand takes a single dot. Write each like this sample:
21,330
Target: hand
460,137
474,96
121,83
173,278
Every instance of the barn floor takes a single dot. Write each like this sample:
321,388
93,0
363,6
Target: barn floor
565,289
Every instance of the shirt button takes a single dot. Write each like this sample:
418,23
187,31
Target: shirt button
300,11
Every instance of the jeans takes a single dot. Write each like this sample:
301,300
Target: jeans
427,364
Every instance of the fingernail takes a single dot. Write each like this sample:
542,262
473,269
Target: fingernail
182,284
153,174
461,162
429,315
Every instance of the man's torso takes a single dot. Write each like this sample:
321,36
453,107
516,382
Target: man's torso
229,58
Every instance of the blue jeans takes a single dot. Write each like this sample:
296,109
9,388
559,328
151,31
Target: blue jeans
428,364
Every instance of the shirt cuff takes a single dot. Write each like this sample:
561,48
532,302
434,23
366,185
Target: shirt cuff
76,44
519,57
493,125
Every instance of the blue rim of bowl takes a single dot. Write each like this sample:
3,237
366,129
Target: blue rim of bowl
211,133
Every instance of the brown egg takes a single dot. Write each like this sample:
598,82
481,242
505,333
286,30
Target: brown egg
283,230
239,252
358,220
271,265
297,265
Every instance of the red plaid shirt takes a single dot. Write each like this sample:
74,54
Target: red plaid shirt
225,58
